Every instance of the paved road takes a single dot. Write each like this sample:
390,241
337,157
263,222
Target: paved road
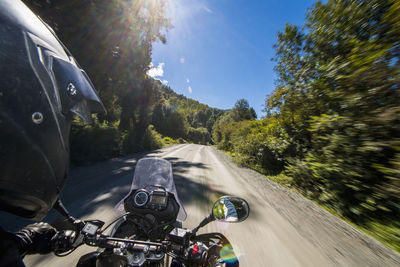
283,229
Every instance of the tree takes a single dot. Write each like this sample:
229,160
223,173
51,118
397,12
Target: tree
243,111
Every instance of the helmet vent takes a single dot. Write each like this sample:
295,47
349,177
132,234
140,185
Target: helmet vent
71,89
37,117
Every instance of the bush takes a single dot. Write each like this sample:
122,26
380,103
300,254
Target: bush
349,170
261,144
131,142
169,141
95,142
199,135
182,141
151,139
222,135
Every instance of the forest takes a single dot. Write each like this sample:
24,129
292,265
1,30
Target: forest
332,126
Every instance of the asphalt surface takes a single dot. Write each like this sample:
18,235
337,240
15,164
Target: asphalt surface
283,229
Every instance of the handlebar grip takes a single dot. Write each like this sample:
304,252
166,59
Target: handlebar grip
63,241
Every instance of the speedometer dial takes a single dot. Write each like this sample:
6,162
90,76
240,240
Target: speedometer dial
140,199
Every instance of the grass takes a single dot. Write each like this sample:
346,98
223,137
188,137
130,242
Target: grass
385,232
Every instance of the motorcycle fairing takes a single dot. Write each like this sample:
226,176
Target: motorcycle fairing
153,172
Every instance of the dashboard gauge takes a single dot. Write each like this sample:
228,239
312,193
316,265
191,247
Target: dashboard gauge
140,198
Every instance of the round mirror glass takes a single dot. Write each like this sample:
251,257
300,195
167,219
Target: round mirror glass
230,209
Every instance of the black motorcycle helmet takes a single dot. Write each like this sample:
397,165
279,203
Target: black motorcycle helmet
41,87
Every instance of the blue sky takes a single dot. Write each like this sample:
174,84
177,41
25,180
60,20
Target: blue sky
220,50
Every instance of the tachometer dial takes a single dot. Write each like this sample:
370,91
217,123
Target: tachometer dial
140,198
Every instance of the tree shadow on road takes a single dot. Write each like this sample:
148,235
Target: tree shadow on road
190,191
104,184
89,187
182,166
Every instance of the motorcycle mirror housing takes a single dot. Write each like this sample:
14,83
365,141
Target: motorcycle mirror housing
226,209
230,209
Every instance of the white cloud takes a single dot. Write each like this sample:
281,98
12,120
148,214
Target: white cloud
187,80
156,71
190,89
206,9
164,82
182,60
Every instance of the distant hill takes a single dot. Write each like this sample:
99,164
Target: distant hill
177,116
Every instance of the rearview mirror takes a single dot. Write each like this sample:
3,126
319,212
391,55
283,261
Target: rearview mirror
230,209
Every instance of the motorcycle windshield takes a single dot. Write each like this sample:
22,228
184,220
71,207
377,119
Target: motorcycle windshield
153,172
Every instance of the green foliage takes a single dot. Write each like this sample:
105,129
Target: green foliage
338,96
243,111
282,179
338,99
167,141
346,166
95,142
179,117
131,142
225,125
181,140
389,232
333,121
169,121
262,144
136,141
259,144
176,125
198,135
151,139
222,135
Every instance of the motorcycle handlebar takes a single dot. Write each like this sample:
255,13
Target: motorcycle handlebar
103,241
65,241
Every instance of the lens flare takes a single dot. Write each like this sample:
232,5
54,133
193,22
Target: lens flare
227,255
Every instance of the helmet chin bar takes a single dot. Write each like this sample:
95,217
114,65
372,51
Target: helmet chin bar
23,206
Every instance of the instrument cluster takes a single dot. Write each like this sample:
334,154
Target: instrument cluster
155,201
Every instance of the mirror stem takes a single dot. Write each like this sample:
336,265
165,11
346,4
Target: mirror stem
203,223
60,208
